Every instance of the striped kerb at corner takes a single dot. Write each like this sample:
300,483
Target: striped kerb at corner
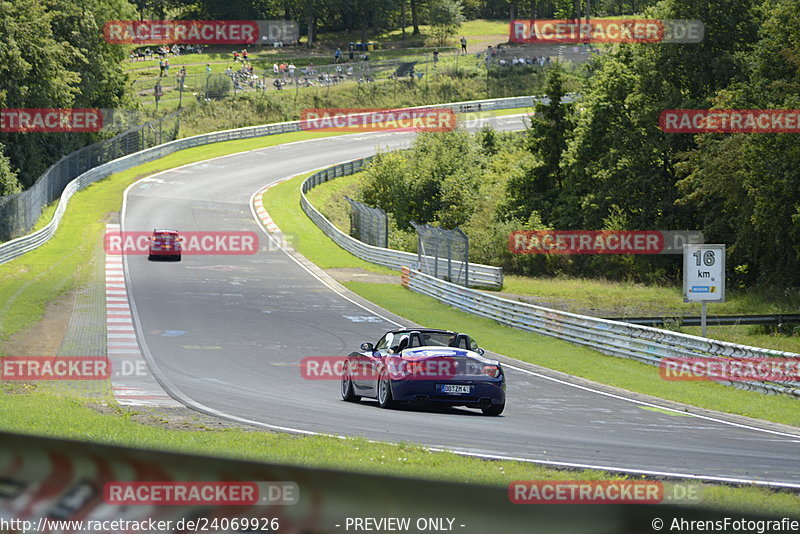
131,380
258,203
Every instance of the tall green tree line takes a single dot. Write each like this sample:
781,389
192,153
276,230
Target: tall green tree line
52,55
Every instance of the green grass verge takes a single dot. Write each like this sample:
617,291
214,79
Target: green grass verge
282,202
582,293
283,205
69,418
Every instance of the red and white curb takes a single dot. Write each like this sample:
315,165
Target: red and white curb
258,203
277,239
131,381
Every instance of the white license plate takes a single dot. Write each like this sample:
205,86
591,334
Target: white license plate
455,389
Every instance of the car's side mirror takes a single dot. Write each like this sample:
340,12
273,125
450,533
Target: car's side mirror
480,351
367,347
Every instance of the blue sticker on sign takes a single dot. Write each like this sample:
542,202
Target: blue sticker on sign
700,289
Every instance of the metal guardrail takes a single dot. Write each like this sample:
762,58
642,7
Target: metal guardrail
17,247
479,275
719,320
641,343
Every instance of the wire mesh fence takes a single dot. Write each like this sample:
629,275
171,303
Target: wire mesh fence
369,225
443,253
19,212
266,76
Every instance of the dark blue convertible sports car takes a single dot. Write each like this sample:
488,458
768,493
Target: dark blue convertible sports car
423,366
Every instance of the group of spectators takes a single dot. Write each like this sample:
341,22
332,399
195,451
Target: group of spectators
309,75
164,51
540,61
499,56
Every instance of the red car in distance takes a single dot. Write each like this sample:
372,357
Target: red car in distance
165,244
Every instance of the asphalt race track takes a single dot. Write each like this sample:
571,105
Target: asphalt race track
226,333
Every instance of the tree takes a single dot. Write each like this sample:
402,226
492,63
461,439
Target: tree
311,16
547,134
52,55
434,182
415,8
445,17
747,186
618,158
8,178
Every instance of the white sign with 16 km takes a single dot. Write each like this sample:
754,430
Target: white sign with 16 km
704,273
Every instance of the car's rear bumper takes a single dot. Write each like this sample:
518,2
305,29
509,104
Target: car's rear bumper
165,252
426,391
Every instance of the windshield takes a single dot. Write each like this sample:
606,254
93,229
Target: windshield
436,339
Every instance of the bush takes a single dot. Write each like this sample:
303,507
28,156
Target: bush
218,86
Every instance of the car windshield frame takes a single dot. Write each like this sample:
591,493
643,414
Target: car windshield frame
433,339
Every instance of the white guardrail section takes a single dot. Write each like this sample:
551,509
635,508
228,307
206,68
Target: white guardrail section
479,275
17,247
642,343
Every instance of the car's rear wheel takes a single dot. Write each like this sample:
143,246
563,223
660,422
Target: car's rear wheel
494,409
347,386
385,399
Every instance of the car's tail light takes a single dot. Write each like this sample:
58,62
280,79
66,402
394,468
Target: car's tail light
491,370
414,368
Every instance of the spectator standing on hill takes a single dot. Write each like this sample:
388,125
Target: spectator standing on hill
435,56
337,56
161,67
275,70
351,50
244,54
208,69
463,45
166,67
